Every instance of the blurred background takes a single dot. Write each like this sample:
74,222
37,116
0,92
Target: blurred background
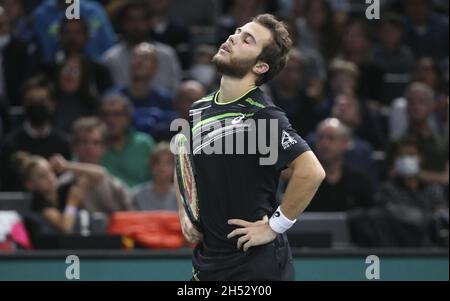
86,105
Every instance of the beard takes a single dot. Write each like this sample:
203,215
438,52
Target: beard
236,68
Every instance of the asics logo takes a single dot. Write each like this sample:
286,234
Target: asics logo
238,119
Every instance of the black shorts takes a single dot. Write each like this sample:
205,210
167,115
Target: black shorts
270,262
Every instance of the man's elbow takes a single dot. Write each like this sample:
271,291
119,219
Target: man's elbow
312,172
320,173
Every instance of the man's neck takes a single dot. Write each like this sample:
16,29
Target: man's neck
232,88
423,129
37,131
161,187
139,88
118,143
412,183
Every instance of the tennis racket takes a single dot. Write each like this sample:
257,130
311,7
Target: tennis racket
184,170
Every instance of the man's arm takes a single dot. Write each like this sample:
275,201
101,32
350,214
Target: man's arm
307,175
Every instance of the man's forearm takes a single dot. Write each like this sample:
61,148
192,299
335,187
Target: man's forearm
304,182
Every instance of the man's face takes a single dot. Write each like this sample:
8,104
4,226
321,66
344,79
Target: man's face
417,10
342,81
390,35
142,64
346,109
135,26
420,107
69,78
73,37
237,56
291,75
330,144
163,167
116,117
89,146
39,96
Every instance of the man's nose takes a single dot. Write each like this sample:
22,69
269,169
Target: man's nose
232,39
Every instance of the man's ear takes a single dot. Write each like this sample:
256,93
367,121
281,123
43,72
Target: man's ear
260,68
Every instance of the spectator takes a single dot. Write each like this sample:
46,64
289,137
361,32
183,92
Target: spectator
317,30
362,122
432,147
167,30
239,13
357,43
58,205
426,32
133,18
426,72
343,188
109,194
19,21
73,39
36,135
188,92
153,107
159,194
417,205
128,151
343,78
202,68
47,18
14,67
289,91
394,58
75,97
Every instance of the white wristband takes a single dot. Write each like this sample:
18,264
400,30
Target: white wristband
71,210
279,222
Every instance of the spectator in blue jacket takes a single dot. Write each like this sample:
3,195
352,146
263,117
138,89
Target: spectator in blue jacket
48,16
153,107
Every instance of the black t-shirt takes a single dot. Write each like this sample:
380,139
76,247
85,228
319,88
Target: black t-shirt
19,140
40,203
353,190
237,185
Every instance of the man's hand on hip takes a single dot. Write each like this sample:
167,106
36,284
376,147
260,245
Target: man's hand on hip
252,234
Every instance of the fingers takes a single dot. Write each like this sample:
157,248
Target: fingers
238,231
247,245
239,222
242,223
242,240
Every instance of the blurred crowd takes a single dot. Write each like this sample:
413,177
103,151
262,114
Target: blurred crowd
86,104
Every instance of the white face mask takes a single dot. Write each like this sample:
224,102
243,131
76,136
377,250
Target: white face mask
407,166
4,40
204,74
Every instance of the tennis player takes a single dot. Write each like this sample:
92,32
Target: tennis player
243,226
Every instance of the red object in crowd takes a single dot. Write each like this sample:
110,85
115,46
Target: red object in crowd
153,229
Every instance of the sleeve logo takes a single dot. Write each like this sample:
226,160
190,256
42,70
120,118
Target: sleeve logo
287,140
